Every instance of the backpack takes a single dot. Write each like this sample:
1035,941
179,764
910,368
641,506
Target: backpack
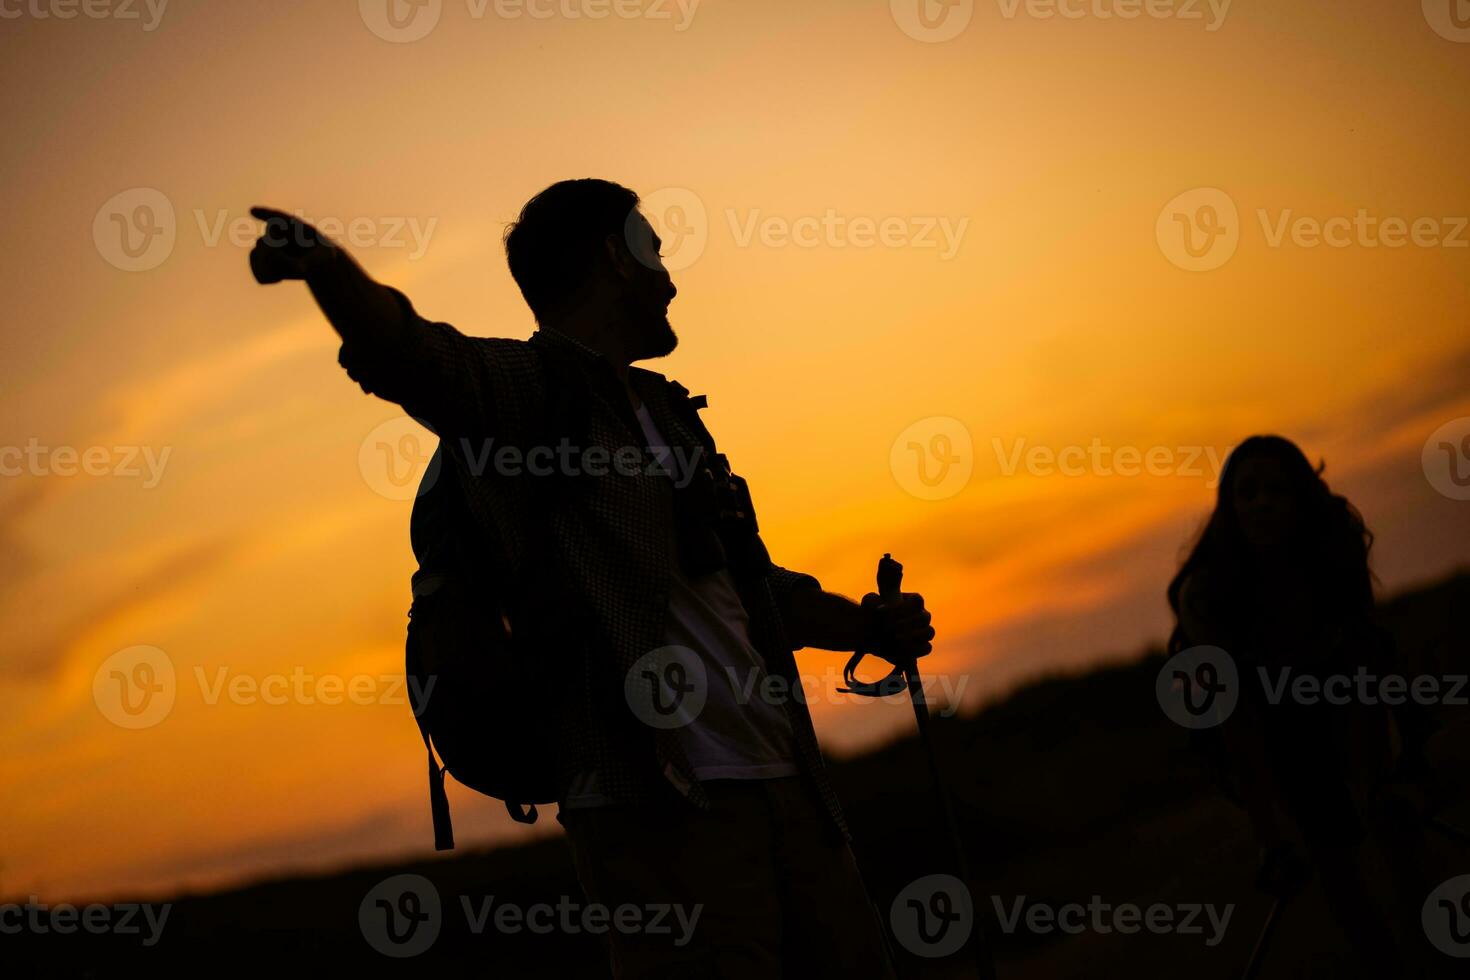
482,687
479,693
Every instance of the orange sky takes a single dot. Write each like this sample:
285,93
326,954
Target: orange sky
234,519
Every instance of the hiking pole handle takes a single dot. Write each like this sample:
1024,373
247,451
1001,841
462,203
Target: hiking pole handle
890,582
890,578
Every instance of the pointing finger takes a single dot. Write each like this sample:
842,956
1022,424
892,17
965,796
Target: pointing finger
270,214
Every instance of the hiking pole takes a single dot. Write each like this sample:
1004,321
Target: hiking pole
1289,883
1258,954
906,674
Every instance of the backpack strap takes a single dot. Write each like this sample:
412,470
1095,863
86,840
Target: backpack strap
438,798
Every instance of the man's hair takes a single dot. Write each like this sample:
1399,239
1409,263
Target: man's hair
553,245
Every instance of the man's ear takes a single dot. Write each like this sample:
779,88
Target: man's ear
619,257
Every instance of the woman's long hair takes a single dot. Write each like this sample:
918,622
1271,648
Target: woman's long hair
1329,536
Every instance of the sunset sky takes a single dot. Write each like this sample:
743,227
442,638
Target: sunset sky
975,245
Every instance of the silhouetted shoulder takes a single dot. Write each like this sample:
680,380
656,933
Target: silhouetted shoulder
452,382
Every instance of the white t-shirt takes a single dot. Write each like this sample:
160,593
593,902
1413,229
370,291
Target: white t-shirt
739,733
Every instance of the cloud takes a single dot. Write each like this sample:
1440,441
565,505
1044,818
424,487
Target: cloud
179,391
18,559
37,648
1411,394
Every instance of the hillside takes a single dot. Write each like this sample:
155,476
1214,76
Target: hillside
1072,787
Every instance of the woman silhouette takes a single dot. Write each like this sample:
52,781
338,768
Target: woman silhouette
1279,579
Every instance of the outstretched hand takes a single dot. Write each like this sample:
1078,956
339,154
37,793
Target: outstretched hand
288,248
899,631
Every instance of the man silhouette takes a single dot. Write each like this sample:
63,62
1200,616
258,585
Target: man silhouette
706,791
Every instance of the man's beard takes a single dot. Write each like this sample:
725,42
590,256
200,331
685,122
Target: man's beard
645,323
659,340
